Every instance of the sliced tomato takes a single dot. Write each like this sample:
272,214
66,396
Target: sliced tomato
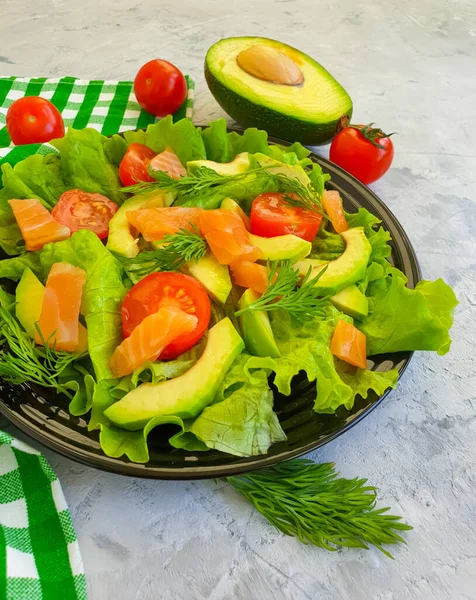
332,205
59,317
349,344
149,339
81,210
168,162
134,165
154,223
162,290
271,216
250,275
227,236
36,224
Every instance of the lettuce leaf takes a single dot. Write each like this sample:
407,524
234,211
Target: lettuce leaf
85,165
305,346
241,421
183,137
406,319
12,268
217,143
102,295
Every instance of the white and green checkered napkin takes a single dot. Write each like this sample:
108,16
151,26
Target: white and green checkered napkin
108,106
39,553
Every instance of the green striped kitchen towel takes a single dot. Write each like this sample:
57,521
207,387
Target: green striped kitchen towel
39,553
108,106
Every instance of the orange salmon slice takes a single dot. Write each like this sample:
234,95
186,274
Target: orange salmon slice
149,338
36,224
154,223
168,162
59,318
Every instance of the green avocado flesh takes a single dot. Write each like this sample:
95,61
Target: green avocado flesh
352,302
347,269
239,164
282,247
278,168
309,112
29,299
120,239
214,277
256,328
185,396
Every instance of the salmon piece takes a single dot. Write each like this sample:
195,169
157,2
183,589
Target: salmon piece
154,223
59,318
149,338
36,224
332,205
250,275
227,236
168,162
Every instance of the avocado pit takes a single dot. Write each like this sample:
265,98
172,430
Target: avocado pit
269,64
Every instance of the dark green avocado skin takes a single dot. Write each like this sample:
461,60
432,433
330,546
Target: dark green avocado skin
250,114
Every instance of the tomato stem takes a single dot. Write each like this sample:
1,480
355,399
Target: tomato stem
372,134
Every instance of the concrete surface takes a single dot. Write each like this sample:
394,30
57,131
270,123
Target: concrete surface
409,66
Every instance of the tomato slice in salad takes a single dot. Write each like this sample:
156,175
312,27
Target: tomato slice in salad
81,210
134,165
271,216
161,290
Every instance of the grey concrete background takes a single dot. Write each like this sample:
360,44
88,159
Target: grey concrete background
409,66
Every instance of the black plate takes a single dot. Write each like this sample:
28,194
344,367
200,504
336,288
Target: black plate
44,415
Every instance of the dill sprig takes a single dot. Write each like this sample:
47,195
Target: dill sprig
21,361
205,180
283,292
202,180
310,501
176,250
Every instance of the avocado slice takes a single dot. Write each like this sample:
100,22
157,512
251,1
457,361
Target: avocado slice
29,300
239,164
352,302
214,277
264,83
277,167
282,247
120,239
185,396
256,328
345,270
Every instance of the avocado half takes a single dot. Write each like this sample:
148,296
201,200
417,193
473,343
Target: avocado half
264,83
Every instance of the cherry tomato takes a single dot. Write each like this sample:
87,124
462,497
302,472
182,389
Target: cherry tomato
271,215
160,88
363,151
81,210
159,290
34,120
134,165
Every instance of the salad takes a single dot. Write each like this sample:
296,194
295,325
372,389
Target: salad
180,276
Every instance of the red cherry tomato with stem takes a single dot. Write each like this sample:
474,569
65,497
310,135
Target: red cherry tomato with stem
81,210
364,151
159,290
134,165
34,120
160,87
271,216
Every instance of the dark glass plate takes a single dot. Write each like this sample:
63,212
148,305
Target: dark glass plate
44,416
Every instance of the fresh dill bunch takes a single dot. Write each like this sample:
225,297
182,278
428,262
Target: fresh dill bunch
283,293
309,501
21,361
176,250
